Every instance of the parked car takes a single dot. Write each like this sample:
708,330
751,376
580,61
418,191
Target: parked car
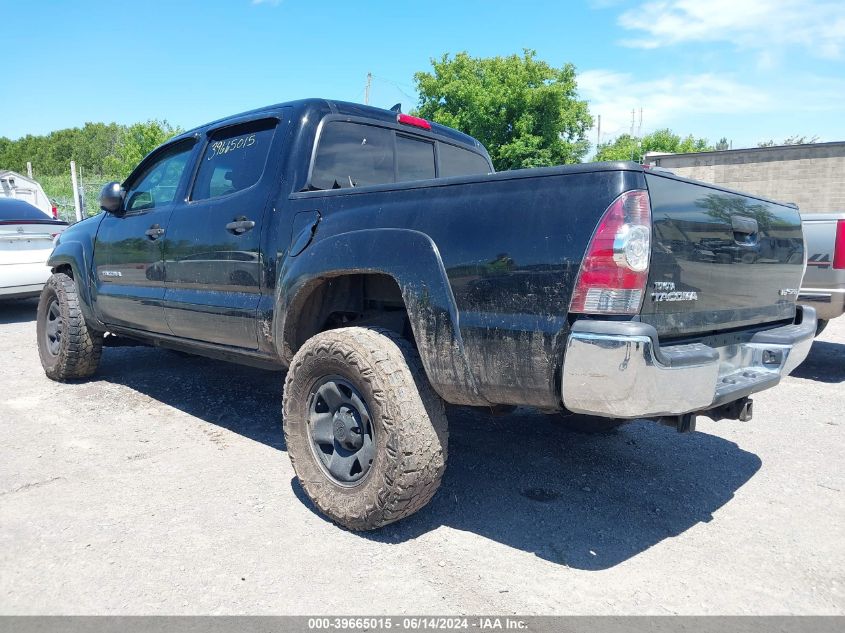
26,241
379,259
824,282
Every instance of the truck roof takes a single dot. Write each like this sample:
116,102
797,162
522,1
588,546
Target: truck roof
318,105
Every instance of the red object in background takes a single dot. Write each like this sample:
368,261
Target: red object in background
839,246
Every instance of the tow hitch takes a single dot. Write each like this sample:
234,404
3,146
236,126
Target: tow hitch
682,423
741,410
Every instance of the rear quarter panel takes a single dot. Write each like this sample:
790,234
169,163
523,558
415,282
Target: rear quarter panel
511,245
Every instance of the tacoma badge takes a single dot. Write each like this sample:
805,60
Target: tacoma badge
665,291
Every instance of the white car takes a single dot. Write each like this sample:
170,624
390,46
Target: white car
26,241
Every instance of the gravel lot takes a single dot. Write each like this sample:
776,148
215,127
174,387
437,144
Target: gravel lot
163,487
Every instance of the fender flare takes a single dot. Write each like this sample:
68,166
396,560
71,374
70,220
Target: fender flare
412,259
77,255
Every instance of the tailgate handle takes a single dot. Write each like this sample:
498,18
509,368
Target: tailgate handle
745,229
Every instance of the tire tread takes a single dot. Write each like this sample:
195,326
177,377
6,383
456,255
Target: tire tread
82,347
414,419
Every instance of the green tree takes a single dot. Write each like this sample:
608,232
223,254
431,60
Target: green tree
722,145
135,142
97,148
623,147
627,147
789,140
526,112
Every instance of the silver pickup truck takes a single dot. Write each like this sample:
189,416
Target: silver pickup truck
824,282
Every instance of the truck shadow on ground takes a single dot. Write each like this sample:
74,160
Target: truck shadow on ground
825,363
17,310
585,501
244,400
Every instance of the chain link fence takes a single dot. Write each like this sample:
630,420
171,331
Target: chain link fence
60,191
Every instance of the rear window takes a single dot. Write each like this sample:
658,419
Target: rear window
353,155
234,159
13,209
414,159
357,154
455,161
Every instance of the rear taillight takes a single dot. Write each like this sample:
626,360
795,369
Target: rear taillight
613,275
55,213
839,247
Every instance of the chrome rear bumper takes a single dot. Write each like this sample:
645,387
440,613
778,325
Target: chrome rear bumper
618,369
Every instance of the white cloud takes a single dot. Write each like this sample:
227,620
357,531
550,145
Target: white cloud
664,100
810,104
765,25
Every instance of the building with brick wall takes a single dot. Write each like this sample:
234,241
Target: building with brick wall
811,175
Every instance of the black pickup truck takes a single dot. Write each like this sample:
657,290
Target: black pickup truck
378,258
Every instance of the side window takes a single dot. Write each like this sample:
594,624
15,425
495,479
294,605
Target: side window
353,155
234,159
156,185
455,161
414,158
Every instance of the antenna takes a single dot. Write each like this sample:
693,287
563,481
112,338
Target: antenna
397,108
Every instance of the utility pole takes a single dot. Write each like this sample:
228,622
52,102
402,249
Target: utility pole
598,133
640,126
367,89
633,112
75,191
29,169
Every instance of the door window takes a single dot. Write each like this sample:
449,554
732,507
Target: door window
234,159
156,185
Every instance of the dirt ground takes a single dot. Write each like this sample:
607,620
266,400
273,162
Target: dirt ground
163,487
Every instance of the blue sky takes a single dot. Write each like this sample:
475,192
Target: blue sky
748,70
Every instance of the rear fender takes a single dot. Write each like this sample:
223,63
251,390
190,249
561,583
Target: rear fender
411,258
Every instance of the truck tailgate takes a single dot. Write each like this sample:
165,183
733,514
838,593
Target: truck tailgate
720,260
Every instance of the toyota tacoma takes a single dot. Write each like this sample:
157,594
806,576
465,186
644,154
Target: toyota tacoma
380,260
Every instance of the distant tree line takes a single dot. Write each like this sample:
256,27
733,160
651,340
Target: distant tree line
627,147
98,148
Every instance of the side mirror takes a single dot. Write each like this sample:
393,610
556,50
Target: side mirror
111,197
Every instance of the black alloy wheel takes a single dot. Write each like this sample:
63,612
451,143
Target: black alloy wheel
53,329
341,430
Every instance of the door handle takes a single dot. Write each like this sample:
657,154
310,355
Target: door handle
154,232
240,225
